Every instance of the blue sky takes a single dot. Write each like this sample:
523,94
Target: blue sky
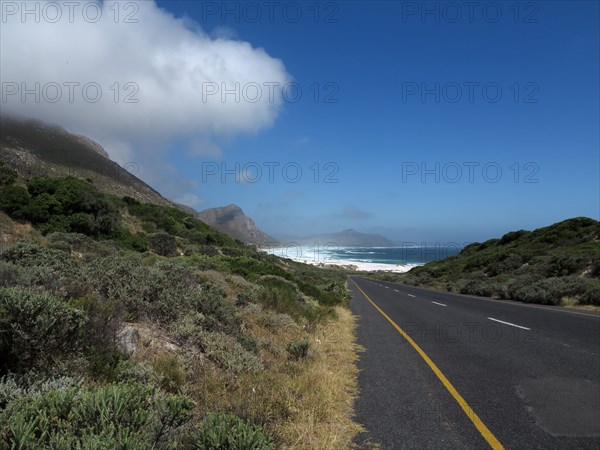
377,132
373,134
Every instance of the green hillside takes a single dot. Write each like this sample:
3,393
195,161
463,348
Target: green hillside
558,264
134,325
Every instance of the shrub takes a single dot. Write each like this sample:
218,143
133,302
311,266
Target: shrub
41,266
247,296
78,242
481,287
169,373
591,296
128,370
104,316
36,327
163,244
298,349
249,343
161,292
7,175
283,296
32,384
276,321
227,431
14,200
209,250
113,416
228,353
219,314
65,204
551,290
10,275
565,265
512,236
137,242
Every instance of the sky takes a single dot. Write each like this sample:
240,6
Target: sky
427,122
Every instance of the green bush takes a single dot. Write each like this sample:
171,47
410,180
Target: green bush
565,265
219,313
169,373
29,254
130,416
592,295
69,205
137,242
163,244
276,321
7,175
249,295
512,236
481,287
129,370
228,353
298,349
14,201
209,250
104,317
41,266
159,292
220,431
284,296
36,327
77,242
32,384
249,343
550,291
10,275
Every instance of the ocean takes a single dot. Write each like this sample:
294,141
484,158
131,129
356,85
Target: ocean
395,259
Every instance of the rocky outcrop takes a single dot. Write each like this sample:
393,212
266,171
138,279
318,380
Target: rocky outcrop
232,220
128,340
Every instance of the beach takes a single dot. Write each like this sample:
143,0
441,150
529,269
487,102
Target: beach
363,259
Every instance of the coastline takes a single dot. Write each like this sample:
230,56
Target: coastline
325,259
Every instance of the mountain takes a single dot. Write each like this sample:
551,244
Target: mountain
35,148
232,221
347,238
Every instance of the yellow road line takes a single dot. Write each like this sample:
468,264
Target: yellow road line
485,432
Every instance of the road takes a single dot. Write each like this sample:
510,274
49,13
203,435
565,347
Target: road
443,370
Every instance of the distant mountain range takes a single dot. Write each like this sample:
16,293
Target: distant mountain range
345,238
232,221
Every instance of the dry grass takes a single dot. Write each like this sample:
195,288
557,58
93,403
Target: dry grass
325,391
305,404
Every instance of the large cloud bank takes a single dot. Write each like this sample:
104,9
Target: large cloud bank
161,78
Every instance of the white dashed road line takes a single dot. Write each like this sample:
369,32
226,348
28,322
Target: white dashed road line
441,304
410,295
508,323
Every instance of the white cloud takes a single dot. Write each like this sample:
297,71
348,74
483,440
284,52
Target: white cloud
170,63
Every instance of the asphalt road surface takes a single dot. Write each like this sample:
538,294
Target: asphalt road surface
444,370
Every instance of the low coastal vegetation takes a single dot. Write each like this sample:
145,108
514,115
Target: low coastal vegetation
554,265
131,325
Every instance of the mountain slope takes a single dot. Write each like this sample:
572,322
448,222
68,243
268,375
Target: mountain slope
34,148
147,307
231,220
552,265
